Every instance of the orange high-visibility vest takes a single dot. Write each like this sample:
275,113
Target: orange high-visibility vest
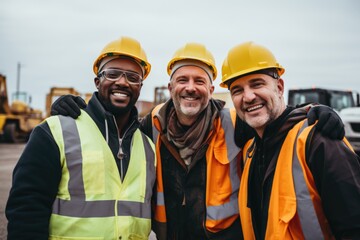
295,209
222,183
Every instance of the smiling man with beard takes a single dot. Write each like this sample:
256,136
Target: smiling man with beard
90,178
296,183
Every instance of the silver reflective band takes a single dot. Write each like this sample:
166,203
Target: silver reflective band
160,200
225,210
102,208
305,208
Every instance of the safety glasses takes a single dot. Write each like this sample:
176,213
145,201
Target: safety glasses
116,74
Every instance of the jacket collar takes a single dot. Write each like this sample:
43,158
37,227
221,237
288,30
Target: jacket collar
102,117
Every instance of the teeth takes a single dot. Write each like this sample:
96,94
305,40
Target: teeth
190,98
254,108
119,94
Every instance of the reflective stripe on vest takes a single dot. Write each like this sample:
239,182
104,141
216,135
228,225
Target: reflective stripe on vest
230,208
305,208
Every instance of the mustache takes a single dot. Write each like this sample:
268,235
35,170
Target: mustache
246,105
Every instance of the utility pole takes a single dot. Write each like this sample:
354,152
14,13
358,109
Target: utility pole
18,81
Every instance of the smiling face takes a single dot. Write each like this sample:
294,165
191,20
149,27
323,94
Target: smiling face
258,100
191,90
119,97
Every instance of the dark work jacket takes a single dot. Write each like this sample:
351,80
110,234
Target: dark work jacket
325,158
186,220
37,174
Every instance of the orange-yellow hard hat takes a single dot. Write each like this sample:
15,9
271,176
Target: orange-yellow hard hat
247,58
125,46
193,51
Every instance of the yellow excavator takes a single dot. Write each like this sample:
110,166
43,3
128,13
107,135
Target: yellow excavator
18,119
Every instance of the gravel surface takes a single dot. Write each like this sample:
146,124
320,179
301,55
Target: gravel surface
9,154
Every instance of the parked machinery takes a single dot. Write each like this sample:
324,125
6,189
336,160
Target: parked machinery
18,119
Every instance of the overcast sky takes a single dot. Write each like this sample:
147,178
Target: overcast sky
56,42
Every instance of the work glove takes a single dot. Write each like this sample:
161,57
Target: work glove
329,122
68,105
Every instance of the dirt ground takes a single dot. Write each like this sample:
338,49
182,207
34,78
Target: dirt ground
9,154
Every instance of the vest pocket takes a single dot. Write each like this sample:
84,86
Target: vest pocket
286,208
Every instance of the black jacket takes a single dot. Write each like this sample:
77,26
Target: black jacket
329,161
38,172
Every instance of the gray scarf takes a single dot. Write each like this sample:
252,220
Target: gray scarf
189,139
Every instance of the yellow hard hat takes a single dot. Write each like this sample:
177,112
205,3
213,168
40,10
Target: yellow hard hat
193,51
125,46
247,58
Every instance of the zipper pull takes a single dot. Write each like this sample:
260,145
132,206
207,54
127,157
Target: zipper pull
120,155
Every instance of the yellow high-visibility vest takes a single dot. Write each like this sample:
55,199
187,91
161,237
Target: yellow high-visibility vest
92,202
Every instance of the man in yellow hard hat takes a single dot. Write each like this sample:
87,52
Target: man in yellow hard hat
197,175
198,172
296,184
90,178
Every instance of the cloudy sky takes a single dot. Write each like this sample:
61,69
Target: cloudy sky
56,42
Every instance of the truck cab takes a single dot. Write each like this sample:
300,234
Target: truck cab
345,103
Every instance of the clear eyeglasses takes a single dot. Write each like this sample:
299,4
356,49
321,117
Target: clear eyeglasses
113,75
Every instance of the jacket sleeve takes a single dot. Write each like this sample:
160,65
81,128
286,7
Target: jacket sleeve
146,125
35,182
243,132
336,171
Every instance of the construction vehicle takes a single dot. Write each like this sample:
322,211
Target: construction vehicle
55,93
18,119
161,94
337,99
346,103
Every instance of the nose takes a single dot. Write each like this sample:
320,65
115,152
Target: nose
190,86
122,79
248,95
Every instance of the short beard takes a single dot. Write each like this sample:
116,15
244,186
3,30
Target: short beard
116,111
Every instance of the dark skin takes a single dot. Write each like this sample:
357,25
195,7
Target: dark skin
119,97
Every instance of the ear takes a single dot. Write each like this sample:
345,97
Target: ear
212,88
280,86
169,86
97,83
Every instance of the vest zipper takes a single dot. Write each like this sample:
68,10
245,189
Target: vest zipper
121,154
